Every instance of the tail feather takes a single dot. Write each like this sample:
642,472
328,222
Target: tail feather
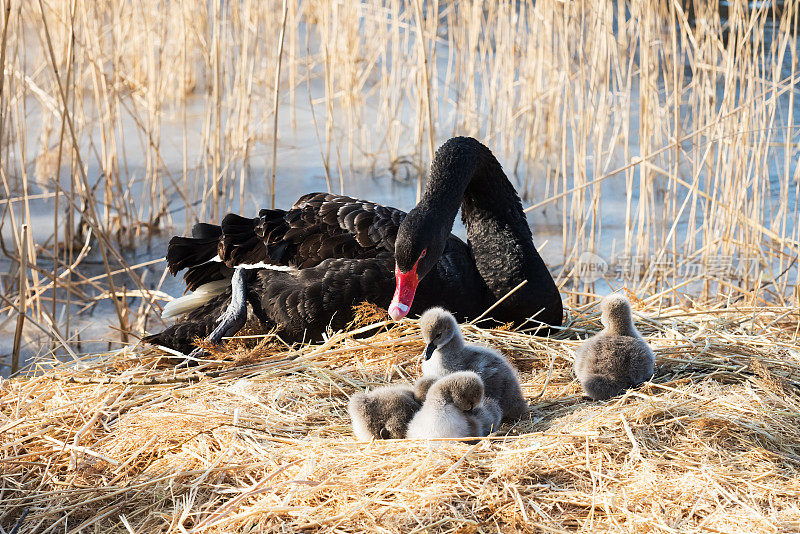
257,240
183,252
240,243
206,231
195,299
194,253
200,275
274,229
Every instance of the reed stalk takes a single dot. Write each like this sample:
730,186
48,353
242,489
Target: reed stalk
276,94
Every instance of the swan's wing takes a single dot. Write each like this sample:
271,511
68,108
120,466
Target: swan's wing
318,227
322,226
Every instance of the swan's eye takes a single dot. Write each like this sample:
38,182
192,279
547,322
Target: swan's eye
422,254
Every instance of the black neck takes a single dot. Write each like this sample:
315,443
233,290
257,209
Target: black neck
466,174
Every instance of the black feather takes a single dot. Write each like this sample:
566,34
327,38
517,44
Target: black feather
206,231
183,252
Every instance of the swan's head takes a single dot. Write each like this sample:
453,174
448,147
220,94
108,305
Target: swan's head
420,242
438,327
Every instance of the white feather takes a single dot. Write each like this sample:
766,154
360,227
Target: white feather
262,265
259,265
195,299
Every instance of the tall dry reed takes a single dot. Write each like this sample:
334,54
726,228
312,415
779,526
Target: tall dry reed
661,133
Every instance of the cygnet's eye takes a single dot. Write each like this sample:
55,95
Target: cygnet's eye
385,434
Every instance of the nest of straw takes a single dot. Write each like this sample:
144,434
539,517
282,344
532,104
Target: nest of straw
259,440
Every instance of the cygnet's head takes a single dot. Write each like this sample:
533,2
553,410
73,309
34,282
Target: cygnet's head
463,388
616,313
439,327
421,387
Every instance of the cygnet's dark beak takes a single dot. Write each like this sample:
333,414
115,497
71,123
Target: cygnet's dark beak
429,348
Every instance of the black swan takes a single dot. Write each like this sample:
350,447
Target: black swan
303,270
618,357
446,353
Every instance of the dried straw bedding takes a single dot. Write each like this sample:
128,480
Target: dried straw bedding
260,441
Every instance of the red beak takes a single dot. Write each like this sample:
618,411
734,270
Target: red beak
404,292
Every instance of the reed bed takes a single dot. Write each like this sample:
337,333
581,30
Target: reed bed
258,439
660,131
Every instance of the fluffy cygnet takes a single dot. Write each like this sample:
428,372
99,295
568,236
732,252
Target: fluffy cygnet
617,358
455,407
383,413
446,353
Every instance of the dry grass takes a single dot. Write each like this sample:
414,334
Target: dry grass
123,442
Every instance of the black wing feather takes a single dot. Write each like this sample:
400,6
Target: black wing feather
318,227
